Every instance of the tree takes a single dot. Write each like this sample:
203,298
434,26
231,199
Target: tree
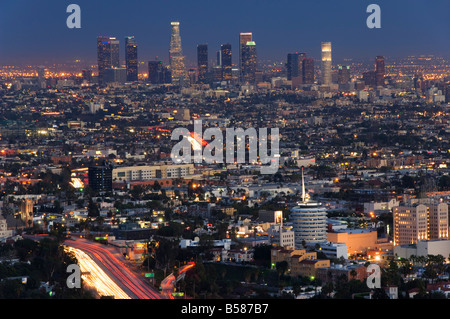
261,255
93,210
328,289
282,267
379,293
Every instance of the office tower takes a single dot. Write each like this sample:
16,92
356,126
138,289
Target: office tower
370,78
131,59
158,73
380,70
176,57
225,53
192,75
308,71
100,178
326,63
41,76
280,235
343,74
294,66
420,219
309,221
115,75
219,58
244,38
216,73
107,55
202,60
249,62
87,75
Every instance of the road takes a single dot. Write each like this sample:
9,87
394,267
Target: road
94,277
115,269
168,283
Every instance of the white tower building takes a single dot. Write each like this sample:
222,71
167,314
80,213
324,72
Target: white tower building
309,221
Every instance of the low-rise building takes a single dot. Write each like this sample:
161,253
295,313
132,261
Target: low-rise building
335,272
308,267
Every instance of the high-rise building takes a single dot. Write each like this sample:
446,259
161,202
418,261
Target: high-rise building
249,62
41,76
202,61
115,75
192,75
343,74
219,58
380,70
225,51
131,59
420,219
87,75
100,178
177,66
326,63
107,55
294,65
309,221
158,73
244,38
370,78
216,73
308,71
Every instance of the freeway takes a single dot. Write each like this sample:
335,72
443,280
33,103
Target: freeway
116,270
168,283
95,277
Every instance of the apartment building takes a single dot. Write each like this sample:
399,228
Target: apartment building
147,172
420,219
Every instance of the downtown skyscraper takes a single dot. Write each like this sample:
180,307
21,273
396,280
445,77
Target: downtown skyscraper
380,70
225,50
107,55
244,38
326,63
300,68
176,58
294,65
131,59
308,71
202,60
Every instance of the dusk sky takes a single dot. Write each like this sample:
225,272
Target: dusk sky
34,31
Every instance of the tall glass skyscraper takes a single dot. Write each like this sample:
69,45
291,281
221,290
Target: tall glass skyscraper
308,71
294,65
158,73
380,70
326,63
244,37
131,59
107,55
177,66
225,50
202,60
249,62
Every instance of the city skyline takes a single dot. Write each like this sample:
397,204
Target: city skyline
405,31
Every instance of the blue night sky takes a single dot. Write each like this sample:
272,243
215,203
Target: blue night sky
35,31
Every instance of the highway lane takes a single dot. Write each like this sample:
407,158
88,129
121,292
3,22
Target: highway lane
168,283
134,286
94,277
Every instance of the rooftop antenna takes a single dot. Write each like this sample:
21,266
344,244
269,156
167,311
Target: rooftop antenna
303,188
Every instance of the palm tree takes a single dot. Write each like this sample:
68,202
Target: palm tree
353,273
